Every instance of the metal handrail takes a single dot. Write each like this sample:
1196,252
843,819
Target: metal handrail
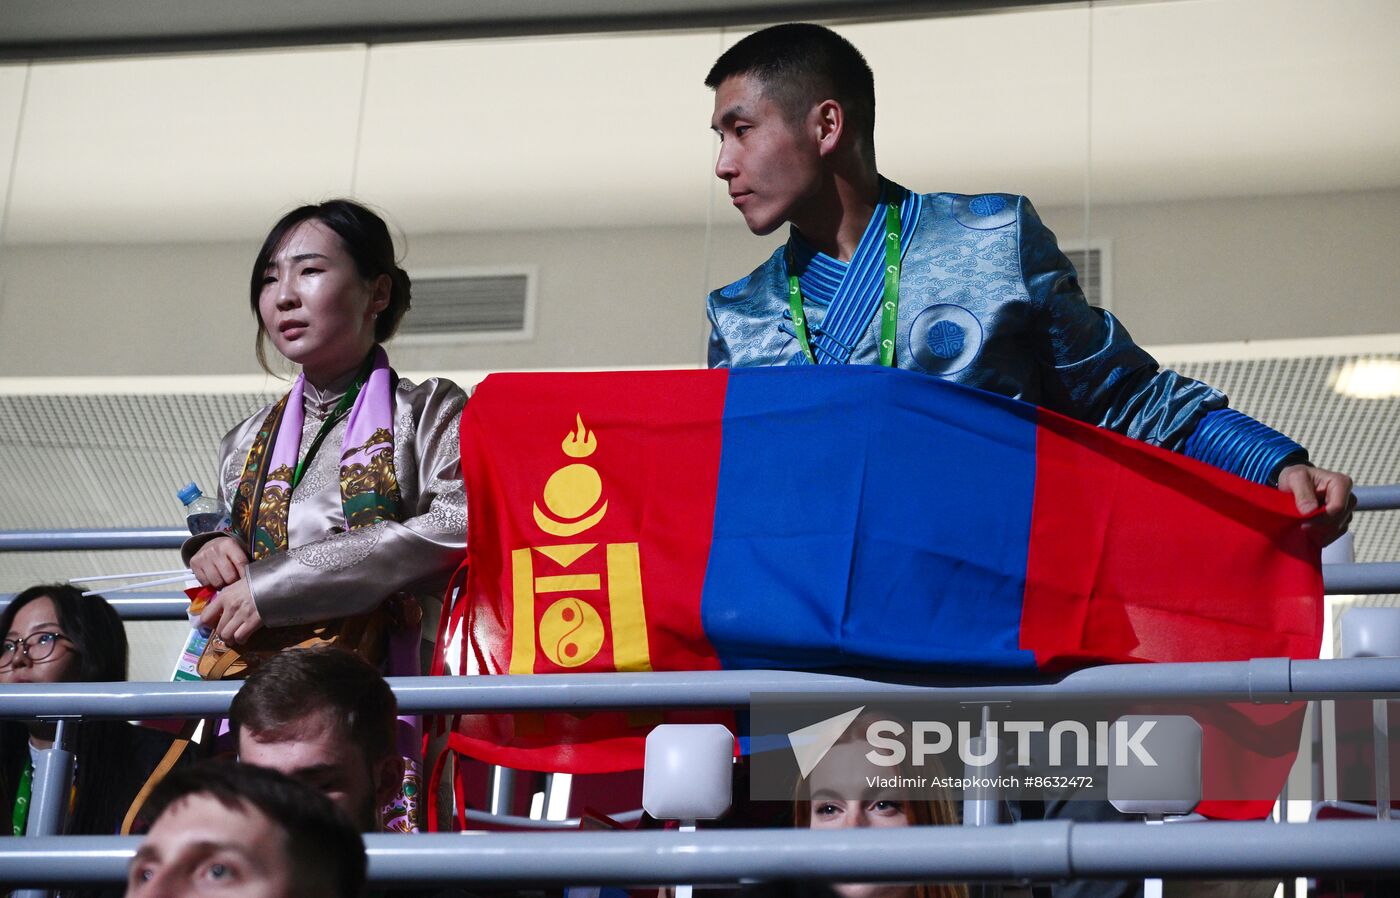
1362,578
1040,851
1260,680
1368,498
1378,498
92,538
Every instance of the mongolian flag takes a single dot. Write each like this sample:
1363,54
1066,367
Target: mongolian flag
846,517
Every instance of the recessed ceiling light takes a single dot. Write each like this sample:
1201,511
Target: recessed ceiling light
1367,379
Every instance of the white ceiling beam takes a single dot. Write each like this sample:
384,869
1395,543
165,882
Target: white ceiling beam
44,29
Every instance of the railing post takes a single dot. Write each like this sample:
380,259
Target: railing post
1339,551
688,776
502,790
50,793
53,784
1375,633
1170,787
982,803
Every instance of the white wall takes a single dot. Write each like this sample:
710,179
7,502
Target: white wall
1251,268
1194,271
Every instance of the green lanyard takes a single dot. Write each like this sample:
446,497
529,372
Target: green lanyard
341,409
889,301
20,816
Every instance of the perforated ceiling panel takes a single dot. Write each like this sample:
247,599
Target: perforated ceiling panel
1358,436
108,461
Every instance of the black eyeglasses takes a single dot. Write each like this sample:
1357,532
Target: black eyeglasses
35,646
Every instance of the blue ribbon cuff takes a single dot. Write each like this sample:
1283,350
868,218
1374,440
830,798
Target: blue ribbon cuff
1235,442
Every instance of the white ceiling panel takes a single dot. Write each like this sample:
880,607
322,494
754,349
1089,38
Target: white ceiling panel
1190,99
11,98
183,147
559,132
1228,98
48,29
978,103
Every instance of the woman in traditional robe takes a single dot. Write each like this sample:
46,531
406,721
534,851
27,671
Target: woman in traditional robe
348,490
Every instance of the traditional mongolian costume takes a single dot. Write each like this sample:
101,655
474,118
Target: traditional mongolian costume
982,295
348,495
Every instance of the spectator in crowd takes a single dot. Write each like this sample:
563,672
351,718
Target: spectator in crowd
838,795
247,832
346,494
55,634
327,718
971,289
348,489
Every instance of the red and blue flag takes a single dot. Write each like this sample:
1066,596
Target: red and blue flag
844,517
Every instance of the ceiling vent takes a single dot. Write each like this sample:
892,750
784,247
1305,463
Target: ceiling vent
1092,265
471,305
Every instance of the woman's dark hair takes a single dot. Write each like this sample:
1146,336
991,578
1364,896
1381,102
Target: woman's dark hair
93,626
112,756
366,239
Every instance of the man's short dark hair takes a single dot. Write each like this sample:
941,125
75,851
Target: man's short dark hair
279,696
801,64
322,844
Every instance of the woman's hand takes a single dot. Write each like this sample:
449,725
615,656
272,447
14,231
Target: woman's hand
232,615
219,562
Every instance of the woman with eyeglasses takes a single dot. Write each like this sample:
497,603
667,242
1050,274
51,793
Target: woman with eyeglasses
55,634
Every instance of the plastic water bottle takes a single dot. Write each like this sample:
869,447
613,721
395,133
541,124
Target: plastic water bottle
203,514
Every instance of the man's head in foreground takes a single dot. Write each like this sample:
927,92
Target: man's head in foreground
327,718
245,832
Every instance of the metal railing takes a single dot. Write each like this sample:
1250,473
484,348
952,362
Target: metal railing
1021,851
1263,680
1050,850
1378,498
1367,578
1039,851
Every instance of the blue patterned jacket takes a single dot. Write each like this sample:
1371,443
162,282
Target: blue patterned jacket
987,299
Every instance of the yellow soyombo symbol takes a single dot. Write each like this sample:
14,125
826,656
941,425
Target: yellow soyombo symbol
573,490
571,630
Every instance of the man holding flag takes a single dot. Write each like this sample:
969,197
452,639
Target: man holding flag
972,289
629,521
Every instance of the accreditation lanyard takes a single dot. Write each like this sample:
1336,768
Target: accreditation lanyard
889,300
341,409
19,817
